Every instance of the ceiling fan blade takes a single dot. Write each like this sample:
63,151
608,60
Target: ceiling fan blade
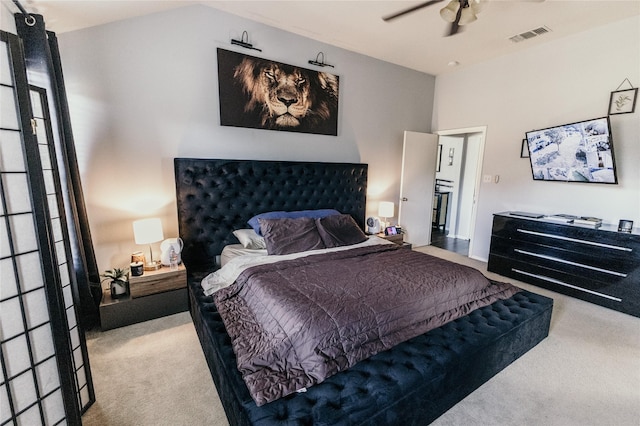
409,10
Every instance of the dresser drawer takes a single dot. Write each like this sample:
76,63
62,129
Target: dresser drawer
152,282
597,263
521,268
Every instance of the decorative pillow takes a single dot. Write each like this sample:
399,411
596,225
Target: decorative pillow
339,230
249,239
286,236
314,214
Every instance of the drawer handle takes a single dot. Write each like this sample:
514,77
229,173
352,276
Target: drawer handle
542,277
568,262
559,237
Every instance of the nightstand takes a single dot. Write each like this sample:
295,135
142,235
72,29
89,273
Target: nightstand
397,239
152,295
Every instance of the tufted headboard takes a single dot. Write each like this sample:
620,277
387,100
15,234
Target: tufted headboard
216,197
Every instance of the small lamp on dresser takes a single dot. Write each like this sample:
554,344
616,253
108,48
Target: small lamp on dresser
148,231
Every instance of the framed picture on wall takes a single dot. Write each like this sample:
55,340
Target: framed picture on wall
524,149
439,158
263,94
623,101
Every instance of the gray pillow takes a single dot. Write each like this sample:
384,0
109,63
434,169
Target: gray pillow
249,239
339,230
286,236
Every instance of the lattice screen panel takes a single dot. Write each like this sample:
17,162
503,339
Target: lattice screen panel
62,250
36,386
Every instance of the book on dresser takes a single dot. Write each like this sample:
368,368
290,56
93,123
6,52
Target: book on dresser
588,221
560,218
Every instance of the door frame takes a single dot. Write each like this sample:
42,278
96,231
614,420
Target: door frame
482,130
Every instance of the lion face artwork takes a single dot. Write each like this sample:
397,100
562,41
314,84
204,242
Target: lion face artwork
264,94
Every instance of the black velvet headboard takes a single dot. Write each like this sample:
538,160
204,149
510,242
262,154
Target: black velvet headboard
216,197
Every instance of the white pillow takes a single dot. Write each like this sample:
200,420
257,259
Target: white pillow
249,239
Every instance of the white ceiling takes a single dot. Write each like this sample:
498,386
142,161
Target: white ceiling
415,41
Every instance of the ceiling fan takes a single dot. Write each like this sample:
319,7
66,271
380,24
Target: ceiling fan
457,12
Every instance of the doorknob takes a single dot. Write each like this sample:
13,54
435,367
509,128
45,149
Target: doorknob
404,199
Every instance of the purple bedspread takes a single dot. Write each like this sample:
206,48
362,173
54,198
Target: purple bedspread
295,323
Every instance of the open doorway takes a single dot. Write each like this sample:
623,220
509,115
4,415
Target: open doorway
458,177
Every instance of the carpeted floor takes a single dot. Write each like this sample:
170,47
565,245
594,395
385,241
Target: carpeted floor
587,372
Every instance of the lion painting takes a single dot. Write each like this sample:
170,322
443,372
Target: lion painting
275,96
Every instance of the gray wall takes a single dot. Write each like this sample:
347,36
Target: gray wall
145,90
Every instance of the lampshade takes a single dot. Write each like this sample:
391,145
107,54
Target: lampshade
385,209
448,13
147,231
467,16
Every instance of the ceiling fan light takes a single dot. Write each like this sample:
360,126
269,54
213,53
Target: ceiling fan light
475,5
467,16
448,13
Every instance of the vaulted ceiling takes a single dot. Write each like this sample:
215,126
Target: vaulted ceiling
416,40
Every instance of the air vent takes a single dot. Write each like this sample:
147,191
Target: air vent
529,34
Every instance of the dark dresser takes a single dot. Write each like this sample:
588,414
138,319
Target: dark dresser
600,265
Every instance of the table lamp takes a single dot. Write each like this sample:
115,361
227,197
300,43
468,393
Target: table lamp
385,210
148,231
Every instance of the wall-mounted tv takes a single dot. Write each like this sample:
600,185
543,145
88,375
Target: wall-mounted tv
576,152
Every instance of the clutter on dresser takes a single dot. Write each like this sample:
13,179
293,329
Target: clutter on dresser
625,226
593,222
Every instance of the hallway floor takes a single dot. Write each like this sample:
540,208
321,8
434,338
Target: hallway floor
439,239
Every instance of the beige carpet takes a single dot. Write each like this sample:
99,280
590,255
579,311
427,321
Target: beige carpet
587,372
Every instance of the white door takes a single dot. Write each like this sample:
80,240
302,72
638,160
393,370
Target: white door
417,184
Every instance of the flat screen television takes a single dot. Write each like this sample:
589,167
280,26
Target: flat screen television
576,152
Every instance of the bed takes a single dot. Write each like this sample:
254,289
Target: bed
413,382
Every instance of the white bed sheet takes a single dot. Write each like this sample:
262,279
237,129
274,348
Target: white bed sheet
234,250
239,259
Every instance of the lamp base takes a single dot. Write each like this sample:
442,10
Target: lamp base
152,266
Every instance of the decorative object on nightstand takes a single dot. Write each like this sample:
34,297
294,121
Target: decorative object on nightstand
118,281
148,231
373,225
136,268
138,256
169,245
385,210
